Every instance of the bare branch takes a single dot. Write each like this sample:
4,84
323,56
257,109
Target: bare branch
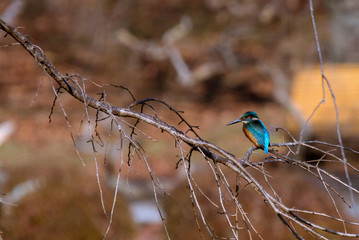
75,85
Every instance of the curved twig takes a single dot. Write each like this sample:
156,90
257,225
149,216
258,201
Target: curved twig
209,150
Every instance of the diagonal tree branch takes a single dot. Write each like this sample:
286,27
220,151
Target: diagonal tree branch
206,149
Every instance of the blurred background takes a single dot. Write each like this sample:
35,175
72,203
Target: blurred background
212,59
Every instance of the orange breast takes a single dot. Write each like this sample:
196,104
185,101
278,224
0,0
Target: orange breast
250,136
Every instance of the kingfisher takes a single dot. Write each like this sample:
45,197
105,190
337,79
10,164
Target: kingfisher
254,129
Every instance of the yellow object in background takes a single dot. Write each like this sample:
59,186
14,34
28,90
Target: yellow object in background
307,92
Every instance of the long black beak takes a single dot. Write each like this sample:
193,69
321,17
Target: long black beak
235,121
